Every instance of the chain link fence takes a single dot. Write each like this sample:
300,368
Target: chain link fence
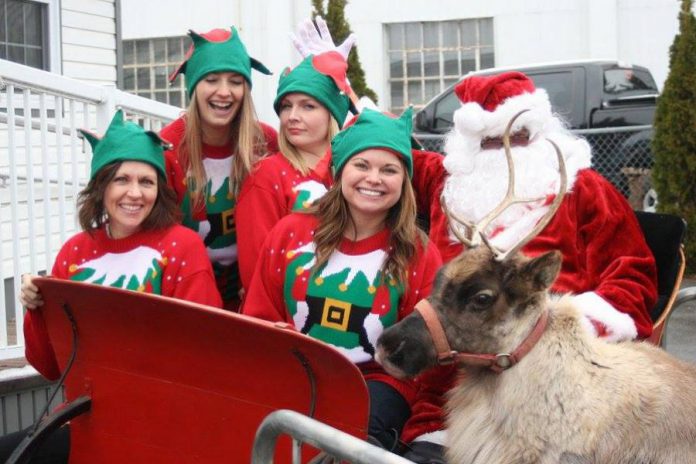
622,155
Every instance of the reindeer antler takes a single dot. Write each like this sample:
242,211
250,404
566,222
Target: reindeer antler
474,233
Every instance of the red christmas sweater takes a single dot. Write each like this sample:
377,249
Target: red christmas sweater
169,262
272,191
215,223
348,302
605,261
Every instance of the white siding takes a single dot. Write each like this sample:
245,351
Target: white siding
88,29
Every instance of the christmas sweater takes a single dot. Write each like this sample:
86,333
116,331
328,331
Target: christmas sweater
348,302
215,222
169,262
273,190
606,262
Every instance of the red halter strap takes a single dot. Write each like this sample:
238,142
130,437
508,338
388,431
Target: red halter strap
496,362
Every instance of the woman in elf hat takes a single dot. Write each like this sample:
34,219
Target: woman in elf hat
132,238
216,143
312,104
355,262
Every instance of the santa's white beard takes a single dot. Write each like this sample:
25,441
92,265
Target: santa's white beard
478,183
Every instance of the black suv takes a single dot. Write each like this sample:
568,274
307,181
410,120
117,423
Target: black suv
594,98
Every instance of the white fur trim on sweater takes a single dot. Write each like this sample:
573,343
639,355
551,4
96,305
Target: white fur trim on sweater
620,325
439,437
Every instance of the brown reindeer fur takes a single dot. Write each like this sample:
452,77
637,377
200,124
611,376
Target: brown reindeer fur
573,398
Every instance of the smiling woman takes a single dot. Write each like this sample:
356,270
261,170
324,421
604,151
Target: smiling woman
215,145
354,263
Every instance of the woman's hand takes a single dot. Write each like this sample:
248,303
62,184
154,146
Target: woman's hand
30,296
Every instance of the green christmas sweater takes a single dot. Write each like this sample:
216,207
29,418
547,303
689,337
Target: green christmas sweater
348,302
272,191
169,262
215,221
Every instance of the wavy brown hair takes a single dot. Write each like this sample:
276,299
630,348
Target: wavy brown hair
92,214
246,134
334,217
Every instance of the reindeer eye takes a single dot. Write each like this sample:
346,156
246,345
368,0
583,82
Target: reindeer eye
483,298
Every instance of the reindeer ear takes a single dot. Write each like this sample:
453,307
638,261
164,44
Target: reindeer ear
543,270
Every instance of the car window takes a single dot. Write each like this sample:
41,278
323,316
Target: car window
628,81
559,86
444,111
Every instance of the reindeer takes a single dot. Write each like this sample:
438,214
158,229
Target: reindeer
535,387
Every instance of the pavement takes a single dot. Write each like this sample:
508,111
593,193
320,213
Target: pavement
680,332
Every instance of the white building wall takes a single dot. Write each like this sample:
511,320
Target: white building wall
88,35
634,31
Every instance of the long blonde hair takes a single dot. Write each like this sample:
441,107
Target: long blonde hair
249,143
292,154
334,218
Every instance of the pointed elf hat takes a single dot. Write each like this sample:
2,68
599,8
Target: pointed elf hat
322,77
373,129
126,141
218,50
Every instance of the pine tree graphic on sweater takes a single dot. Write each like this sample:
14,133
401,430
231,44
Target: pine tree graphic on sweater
345,303
307,193
139,269
215,223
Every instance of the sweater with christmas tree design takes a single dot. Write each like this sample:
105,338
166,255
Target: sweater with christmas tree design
215,221
272,191
347,303
169,262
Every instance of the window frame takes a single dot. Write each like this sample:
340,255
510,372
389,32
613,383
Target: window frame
50,29
480,48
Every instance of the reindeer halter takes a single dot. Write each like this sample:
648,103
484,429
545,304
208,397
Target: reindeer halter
495,362
473,234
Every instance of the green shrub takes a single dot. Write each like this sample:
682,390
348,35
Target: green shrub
674,144
340,29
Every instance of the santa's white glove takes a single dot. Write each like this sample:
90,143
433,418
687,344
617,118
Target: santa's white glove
310,41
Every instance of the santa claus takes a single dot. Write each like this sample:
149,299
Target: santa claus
606,262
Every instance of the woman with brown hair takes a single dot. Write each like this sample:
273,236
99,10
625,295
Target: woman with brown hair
216,143
131,235
355,263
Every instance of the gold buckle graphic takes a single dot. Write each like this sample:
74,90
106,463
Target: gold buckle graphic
336,314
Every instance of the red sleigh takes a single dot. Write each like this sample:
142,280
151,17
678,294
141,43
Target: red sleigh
161,380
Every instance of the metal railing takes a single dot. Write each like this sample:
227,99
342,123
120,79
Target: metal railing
44,163
337,444
621,154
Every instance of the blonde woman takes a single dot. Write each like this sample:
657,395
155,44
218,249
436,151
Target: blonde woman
311,105
216,143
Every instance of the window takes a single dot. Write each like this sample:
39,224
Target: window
147,64
427,57
23,32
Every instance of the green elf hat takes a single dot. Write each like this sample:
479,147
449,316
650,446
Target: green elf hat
219,50
126,141
372,129
322,77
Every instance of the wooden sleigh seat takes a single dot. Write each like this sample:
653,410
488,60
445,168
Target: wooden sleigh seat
175,382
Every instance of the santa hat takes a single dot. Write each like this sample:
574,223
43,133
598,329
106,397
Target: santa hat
322,77
126,141
489,102
218,50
